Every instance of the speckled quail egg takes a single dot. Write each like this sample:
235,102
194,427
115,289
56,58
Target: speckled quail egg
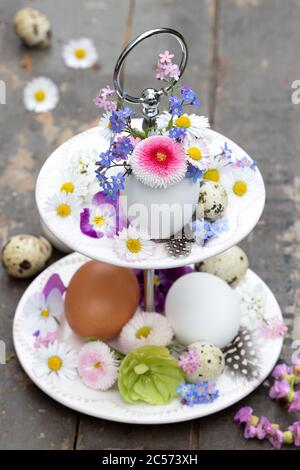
231,265
213,199
212,362
33,27
25,255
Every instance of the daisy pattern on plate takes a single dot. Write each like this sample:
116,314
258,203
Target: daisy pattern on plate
145,328
197,152
133,245
80,53
72,182
215,168
56,360
40,95
62,206
97,366
105,126
43,312
241,183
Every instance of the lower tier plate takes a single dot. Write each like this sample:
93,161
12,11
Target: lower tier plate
109,404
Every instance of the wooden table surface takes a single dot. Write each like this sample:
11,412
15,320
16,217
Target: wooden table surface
244,55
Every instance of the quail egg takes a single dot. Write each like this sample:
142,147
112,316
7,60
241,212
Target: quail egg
213,199
33,27
25,255
231,266
212,362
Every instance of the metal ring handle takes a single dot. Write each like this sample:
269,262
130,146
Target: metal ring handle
152,32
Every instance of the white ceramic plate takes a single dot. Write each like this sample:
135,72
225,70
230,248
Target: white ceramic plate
242,215
109,405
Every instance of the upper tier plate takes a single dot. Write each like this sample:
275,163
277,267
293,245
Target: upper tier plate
241,215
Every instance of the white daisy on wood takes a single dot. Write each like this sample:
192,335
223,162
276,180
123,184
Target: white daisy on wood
80,53
56,360
40,95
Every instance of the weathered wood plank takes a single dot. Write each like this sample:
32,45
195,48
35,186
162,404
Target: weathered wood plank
257,64
28,418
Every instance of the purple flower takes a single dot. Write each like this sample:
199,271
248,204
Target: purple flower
199,393
102,218
219,226
175,105
279,390
243,415
190,361
165,57
163,279
295,429
177,133
280,371
249,431
263,427
54,282
189,96
274,328
194,173
105,158
124,113
296,358
295,405
101,100
118,181
226,151
275,437
117,124
202,231
123,147
110,192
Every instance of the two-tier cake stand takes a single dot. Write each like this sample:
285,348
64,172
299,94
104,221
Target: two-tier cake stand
241,219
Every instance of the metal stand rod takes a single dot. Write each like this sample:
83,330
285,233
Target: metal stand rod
149,290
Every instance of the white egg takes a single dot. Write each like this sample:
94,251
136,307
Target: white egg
202,307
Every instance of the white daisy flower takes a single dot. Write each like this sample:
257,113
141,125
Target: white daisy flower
105,126
62,205
72,182
197,152
215,168
196,126
241,183
40,95
133,245
56,360
83,161
80,53
145,328
44,313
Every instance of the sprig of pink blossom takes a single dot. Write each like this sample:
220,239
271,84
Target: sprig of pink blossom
165,68
102,100
286,377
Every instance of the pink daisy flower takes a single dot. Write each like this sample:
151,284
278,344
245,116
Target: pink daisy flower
97,366
158,161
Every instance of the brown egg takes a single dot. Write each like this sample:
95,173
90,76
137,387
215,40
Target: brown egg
100,299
